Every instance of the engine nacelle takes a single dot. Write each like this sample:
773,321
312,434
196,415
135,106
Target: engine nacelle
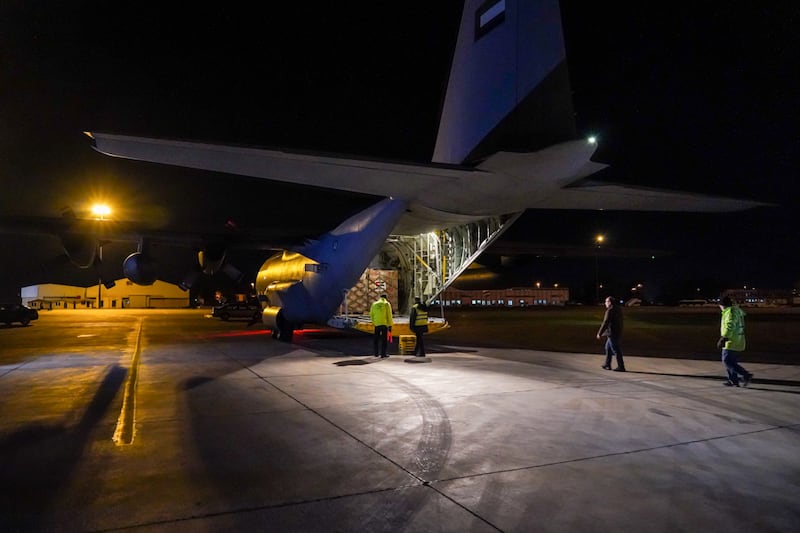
140,269
269,316
274,320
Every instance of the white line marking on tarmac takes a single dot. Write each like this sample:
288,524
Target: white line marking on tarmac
126,423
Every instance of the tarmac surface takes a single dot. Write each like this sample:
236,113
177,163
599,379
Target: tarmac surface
173,421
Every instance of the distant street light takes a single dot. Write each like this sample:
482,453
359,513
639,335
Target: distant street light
598,240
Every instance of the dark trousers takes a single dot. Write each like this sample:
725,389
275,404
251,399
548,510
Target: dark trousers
613,348
379,340
419,349
730,359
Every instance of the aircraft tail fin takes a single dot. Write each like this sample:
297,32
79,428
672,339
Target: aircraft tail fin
509,86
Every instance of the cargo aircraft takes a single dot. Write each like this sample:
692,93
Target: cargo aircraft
506,142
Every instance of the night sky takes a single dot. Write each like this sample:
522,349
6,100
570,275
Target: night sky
703,97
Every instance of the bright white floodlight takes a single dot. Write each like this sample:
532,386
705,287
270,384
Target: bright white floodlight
101,211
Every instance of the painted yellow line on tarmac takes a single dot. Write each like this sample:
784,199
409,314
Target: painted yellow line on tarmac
126,423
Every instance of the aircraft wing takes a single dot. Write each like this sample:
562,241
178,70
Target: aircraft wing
125,231
439,195
82,241
503,248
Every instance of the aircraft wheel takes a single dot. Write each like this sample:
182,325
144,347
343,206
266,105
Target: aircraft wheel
285,335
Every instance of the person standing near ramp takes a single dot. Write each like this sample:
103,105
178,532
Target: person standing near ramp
418,320
381,316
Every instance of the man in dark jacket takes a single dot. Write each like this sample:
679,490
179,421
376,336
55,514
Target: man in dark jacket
612,329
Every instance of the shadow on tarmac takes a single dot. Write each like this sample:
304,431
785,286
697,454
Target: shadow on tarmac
753,385
37,461
356,362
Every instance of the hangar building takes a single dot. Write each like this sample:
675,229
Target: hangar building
123,295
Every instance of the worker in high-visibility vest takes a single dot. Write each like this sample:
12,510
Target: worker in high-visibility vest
381,315
418,321
732,342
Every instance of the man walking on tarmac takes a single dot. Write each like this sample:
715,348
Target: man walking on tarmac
381,316
612,329
731,342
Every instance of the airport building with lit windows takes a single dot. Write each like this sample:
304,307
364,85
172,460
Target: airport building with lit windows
753,297
513,297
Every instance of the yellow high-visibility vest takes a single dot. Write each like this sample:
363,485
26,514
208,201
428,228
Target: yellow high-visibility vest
422,317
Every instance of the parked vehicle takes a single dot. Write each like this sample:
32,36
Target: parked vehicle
251,311
10,313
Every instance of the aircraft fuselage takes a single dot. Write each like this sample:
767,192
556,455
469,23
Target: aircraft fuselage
308,284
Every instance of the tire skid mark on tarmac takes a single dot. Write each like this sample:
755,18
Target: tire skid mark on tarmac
430,456
435,440
433,449
436,437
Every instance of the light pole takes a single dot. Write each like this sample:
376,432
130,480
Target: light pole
100,211
99,277
598,240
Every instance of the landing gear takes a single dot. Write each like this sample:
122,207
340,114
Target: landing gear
284,334
282,329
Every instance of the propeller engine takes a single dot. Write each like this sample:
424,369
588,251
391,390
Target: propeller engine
81,250
211,259
82,241
79,247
